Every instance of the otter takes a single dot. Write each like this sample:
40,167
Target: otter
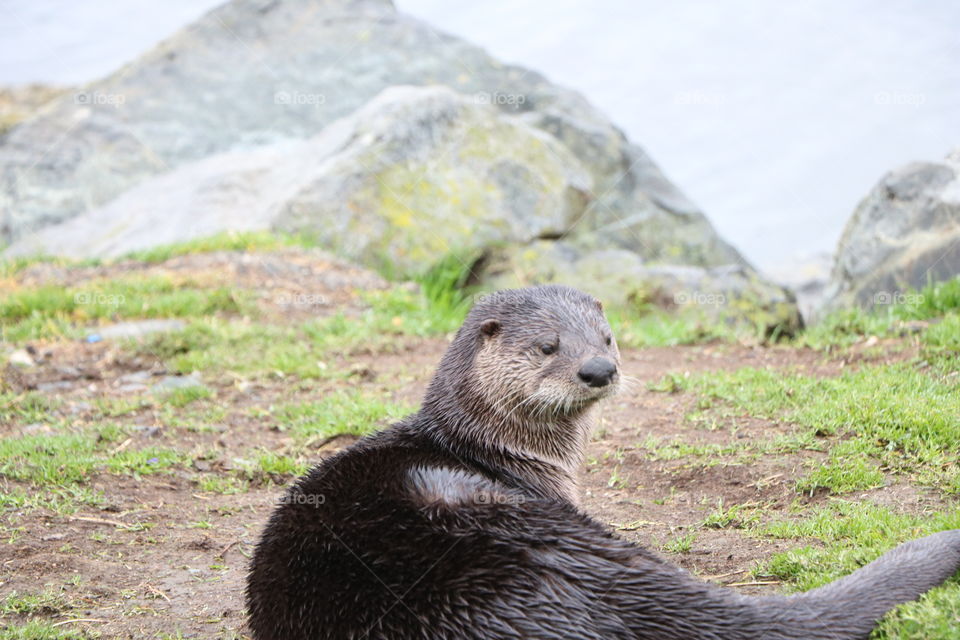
461,521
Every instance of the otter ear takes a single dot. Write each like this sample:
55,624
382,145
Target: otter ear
599,306
490,327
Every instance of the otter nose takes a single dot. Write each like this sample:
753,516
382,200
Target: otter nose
597,372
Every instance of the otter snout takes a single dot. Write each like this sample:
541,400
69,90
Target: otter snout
598,371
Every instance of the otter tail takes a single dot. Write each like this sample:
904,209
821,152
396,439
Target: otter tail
850,607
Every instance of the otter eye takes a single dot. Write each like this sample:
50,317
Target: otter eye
608,340
547,349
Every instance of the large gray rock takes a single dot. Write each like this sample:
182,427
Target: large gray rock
904,234
733,293
257,73
416,174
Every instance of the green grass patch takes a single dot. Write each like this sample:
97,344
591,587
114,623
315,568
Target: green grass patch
844,327
250,349
675,449
10,267
182,396
933,301
62,460
661,329
225,485
28,407
47,602
36,630
53,310
853,534
894,415
681,543
270,467
218,346
62,500
736,516
935,615
936,301
344,412
941,344
849,467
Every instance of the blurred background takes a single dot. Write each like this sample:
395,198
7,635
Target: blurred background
775,119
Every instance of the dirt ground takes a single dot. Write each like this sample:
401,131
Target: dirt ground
159,556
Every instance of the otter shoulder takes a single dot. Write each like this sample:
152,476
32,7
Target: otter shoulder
446,486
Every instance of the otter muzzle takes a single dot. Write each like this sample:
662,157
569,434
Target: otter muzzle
597,372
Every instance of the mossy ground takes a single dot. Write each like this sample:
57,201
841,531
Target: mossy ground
130,509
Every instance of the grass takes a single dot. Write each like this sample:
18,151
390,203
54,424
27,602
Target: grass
224,485
182,396
661,329
938,302
29,407
736,516
55,310
680,544
851,534
897,416
266,467
44,602
63,500
48,602
302,350
37,630
62,460
344,412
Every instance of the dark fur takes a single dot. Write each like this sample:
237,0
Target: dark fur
459,521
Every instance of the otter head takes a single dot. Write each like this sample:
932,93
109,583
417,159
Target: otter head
528,365
544,352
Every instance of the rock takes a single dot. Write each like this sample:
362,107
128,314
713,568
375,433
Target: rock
427,171
619,277
19,103
138,328
418,172
904,234
172,383
305,65
137,377
806,275
21,358
389,143
133,382
55,385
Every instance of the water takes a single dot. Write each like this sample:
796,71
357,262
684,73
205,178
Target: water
775,117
